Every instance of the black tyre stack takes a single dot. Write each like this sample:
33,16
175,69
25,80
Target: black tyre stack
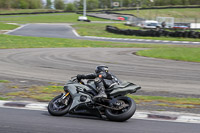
153,33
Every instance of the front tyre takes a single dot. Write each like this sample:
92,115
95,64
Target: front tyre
58,106
128,110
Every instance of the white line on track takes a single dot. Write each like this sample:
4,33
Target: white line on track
74,31
144,115
16,29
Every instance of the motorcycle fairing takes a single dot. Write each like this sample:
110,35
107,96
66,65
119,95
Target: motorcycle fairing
75,91
123,89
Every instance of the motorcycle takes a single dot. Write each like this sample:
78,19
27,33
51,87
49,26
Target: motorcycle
78,99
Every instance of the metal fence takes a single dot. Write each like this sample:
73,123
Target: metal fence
179,20
187,20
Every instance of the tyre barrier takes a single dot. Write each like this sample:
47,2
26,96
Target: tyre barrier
153,33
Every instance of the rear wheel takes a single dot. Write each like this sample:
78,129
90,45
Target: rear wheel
59,106
127,109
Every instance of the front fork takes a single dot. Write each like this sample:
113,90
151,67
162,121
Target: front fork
65,98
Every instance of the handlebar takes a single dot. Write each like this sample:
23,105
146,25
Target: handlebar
74,79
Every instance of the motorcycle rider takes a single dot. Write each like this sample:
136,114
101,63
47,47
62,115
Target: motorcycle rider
103,80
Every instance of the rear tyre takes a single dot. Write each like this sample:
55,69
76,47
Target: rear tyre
123,114
58,108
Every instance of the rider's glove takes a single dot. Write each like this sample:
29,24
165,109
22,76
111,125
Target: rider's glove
79,77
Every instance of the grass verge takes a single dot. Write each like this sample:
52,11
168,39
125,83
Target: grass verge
175,106
167,101
10,41
3,98
178,53
4,26
4,81
46,18
172,100
39,93
90,29
185,53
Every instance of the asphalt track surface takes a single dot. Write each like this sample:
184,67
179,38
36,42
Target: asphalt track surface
28,121
59,64
66,31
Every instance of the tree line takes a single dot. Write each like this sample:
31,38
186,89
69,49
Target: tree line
176,2
103,4
91,4
21,4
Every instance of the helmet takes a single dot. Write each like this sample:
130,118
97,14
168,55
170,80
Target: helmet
101,68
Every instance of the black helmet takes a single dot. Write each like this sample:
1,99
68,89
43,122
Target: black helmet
101,68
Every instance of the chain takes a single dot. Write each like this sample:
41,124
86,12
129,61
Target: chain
121,107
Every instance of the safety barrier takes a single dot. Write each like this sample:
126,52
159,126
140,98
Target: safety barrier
153,33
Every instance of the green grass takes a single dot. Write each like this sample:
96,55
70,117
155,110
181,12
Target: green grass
172,100
167,101
175,106
47,89
40,93
4,26
178,53
46,18
174,52
4,81
176,12
89,29
10,41
3,98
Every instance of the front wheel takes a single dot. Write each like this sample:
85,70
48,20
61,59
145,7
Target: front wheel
59,106
128,108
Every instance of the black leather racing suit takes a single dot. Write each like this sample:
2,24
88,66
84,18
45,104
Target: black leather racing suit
103,80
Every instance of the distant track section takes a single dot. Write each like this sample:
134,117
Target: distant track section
66,31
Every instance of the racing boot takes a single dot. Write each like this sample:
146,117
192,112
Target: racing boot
101,94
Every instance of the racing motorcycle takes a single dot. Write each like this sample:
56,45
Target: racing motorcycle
78,99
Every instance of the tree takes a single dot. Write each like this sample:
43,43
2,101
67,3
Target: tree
34,4
59,4
48,4
159,2
91,4
20,4
194,2
127,3
185,2
2,3
5,4
15,4
70,7
8,4
175,2
103,3
23,4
